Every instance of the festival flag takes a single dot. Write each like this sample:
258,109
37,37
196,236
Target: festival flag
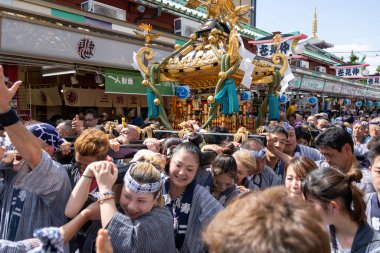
46,96
79,96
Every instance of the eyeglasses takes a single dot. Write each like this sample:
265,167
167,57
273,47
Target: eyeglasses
88,120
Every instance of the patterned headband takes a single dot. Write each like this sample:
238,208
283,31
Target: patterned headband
51,240
365,123
142,188
259,153
358,122
374,123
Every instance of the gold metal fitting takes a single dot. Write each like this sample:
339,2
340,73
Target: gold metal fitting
177,46
193,36
156,101
211,39
222,75
145,83
211,99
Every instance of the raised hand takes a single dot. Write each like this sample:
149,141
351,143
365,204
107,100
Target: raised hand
103,242
6,94
75,124
105,174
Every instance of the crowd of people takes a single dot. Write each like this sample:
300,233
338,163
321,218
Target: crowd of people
306,184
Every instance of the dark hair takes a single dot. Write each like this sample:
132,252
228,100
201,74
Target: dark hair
334,138
374,152
229,149
189,148
373,142
169,144
195,138
277,129
216,139
224,164
91,111
303,133
326,184
293,115
1,127
54,119
340,125
348,118
247,143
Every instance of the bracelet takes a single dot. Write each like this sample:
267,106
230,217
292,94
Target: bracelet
85,176
9,118
105,196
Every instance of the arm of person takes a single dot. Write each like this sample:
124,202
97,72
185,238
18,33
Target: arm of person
20,246
47,180
19,136
106,175
17,132
281,155
68,231
76,125
79,194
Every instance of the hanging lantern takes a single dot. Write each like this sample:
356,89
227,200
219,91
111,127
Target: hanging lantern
312,100
182,92
244,96
346,101
282,99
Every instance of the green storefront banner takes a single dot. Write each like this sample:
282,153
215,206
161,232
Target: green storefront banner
130,82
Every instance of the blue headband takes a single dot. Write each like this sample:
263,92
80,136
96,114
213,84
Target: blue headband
51,240
47,133
259,153
374,123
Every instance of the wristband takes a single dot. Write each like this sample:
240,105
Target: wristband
106,196
9,118
85,176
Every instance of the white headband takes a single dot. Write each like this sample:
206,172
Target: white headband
142,188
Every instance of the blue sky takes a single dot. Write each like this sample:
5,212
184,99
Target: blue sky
348,24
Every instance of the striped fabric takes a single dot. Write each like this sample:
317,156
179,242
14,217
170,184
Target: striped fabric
150,233
204,207
308,152
204,177
265,179
47,189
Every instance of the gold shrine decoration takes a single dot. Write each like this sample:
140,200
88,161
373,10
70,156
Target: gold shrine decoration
147,35
222,10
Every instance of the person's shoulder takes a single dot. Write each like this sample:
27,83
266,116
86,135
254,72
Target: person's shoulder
202,195
160,211
308,149
368,197
268,171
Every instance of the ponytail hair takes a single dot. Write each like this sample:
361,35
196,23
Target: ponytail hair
224,164
355,175
327,184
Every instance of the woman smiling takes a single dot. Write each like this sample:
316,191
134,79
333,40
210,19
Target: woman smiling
192,206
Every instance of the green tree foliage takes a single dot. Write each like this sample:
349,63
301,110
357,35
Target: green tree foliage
353,57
